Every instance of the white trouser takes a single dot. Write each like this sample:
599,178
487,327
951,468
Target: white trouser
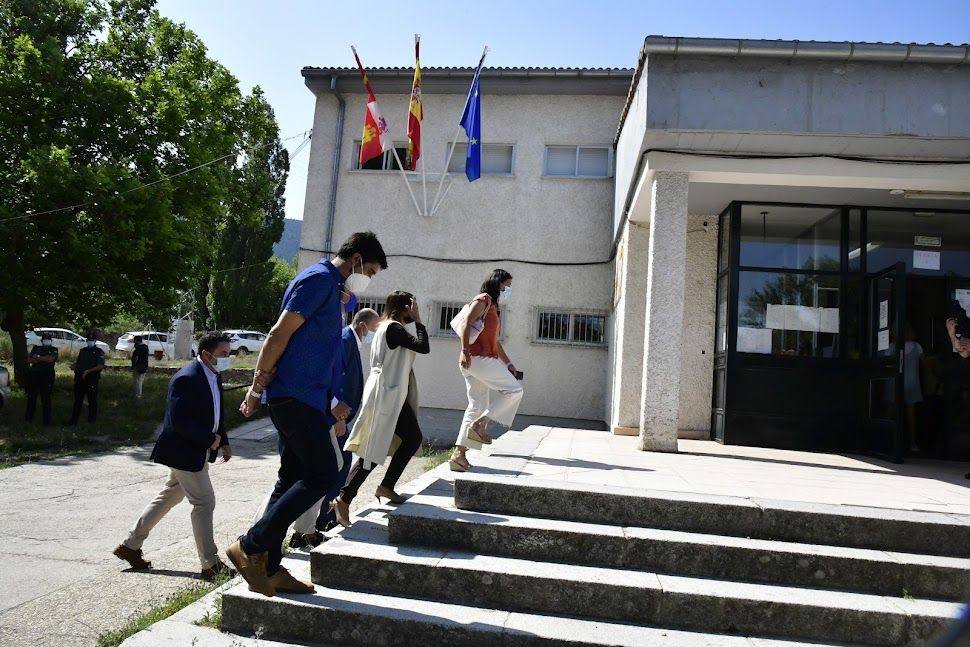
492,391
181,484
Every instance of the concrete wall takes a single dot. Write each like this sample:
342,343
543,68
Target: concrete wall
697,351
525,216
628,146
817,97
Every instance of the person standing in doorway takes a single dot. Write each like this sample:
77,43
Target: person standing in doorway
193,431
139,364
87,375
390,404
494,393
40,378
295,370
349,373
912,389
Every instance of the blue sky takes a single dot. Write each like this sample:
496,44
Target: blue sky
266,42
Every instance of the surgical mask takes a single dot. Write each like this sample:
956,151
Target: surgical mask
45,342
506,293
223,364
91,343
368,337
357,283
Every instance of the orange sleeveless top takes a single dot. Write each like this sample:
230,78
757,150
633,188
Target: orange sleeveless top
487,343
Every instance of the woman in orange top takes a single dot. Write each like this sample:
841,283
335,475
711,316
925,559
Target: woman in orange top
493,391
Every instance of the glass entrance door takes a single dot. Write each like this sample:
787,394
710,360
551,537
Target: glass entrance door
883,422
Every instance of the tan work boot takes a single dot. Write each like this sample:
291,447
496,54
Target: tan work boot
252,568
284,582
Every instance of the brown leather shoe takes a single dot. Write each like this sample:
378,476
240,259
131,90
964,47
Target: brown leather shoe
133,557
252,568
217,569
284,582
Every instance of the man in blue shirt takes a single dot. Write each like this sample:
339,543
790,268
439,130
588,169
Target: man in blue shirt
295,373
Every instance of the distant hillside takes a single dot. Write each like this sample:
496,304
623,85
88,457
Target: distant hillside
289,243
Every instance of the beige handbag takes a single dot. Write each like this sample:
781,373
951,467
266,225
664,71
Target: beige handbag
475,327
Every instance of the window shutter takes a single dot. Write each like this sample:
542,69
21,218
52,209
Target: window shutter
560,160
497,159
594,162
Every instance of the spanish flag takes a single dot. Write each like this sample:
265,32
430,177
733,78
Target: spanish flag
415,113
374,140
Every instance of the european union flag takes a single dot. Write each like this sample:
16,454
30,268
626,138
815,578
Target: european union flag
471,121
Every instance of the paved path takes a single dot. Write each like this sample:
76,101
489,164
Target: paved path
60,520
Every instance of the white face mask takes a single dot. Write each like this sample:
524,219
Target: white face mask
357,283
223,364
91,343
506,293
45,342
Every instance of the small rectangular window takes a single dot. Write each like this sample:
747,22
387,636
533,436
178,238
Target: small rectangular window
496,158
446,311
577,161
580,328
374,304
385,162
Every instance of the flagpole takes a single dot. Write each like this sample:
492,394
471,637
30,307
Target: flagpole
424,184
451,152
443,196
406,182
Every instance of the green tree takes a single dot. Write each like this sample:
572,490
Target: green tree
243,293
109,106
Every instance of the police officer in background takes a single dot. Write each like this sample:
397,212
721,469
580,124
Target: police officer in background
40,378
87,374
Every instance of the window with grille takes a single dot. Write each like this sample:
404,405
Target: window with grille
446,311
385,162
372,303
497,159
578,161
569,327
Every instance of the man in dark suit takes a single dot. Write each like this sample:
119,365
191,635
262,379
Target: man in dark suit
350,373
193,431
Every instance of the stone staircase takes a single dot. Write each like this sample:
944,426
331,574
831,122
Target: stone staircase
497,560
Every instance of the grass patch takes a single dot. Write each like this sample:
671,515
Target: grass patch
212,618
434,455
172,605
122,420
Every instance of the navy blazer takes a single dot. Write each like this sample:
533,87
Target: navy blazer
348,380
187,431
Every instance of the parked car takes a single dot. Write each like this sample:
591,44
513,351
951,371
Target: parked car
157,341
243,342
62,339
4,385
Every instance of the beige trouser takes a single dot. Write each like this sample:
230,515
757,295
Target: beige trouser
181,484
492,392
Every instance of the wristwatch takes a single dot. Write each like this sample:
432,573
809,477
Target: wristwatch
254,394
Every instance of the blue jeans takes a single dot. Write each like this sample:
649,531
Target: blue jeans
309,468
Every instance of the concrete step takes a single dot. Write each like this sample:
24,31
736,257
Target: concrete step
340,617
363,558
431,521
931,533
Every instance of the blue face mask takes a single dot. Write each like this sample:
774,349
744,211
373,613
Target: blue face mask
506,293
368,337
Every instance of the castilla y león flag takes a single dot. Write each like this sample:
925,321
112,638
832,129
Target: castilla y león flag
415,113
374,141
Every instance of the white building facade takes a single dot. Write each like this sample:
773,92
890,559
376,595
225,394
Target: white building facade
762,221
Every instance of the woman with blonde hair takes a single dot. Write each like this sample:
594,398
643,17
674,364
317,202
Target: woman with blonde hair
494,393
387,423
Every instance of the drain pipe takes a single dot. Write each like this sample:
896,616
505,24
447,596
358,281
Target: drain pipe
335,174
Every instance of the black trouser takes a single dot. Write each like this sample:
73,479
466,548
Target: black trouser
43,386
309,464
85,387
409,432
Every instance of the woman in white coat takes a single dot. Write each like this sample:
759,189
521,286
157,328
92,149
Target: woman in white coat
387,422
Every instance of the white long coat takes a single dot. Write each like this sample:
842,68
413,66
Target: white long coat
390,383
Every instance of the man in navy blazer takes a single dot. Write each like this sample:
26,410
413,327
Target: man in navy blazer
193,433
350,373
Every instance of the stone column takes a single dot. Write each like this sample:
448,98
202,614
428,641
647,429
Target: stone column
663,327
631,276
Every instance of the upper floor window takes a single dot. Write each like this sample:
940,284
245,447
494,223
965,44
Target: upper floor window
578,161
497,159
385,162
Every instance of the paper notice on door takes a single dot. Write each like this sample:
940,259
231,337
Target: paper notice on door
926,260
963,298
884,314
754,340
883,340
